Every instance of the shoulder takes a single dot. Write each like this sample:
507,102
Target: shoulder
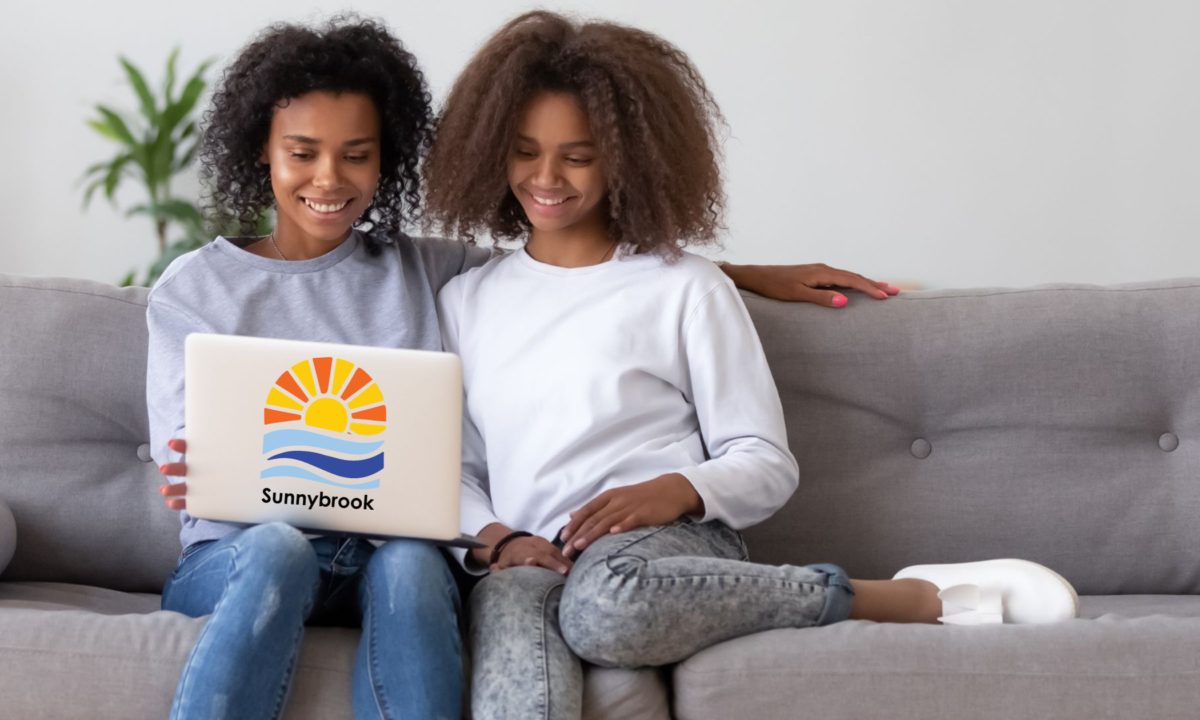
185,271
431,248
476,276
443,259
687,273
698,269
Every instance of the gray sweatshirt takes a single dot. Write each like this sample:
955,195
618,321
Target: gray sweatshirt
345,296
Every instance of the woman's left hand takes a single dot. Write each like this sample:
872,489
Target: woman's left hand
656,502
805,283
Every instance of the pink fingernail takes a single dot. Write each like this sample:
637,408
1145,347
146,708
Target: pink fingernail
840,301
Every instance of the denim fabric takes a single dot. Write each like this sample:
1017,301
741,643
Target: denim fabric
263,583
653,596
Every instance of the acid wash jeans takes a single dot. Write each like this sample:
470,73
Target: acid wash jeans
261,584
652,596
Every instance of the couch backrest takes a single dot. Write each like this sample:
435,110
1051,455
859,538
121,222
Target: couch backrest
1059,424
74,464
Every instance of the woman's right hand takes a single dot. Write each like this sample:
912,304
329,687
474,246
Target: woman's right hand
532,551
519,551
175,492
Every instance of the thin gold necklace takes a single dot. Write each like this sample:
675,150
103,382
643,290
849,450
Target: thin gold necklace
606,252
271,237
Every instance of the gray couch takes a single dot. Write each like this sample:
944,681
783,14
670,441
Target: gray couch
1059,424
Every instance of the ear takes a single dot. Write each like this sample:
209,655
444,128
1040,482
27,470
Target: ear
262,158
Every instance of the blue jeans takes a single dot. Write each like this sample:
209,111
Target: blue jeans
263,583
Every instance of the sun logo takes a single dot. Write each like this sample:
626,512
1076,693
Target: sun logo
328,394
336,401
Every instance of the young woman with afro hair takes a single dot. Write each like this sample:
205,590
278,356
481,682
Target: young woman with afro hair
621,422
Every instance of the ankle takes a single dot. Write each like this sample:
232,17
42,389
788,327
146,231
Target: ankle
928,606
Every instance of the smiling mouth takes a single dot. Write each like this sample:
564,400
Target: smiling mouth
326,207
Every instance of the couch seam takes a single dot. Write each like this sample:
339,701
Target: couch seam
939,673
914,294
1030,291
141,659
72,292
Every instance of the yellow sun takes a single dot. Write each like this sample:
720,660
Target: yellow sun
339,398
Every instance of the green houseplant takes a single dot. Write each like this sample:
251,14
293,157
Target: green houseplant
155,145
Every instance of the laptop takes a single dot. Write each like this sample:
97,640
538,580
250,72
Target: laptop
328,438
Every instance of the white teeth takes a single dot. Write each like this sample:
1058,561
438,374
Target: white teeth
548,201
325,208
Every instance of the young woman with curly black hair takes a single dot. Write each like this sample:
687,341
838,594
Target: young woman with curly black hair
327,126
621,422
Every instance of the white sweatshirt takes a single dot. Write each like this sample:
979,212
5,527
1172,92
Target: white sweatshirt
579,380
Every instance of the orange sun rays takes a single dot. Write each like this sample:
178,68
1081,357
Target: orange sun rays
330,394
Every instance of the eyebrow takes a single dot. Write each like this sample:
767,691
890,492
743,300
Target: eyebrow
564,146
313,141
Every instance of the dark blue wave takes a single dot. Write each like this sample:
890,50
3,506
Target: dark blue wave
336,466
295,472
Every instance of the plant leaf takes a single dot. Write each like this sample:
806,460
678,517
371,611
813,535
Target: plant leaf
113,178
149,108
127,281
114,127
182,211
162,153
187,157
169,83
178,110
93,169
91,190
103,128
173,209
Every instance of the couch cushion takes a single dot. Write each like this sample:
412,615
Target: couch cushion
93,652
1059,424
616,694
74,400
77,652
1133,661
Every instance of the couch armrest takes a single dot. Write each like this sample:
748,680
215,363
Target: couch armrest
8,536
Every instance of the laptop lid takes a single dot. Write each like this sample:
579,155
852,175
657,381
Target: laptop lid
323,436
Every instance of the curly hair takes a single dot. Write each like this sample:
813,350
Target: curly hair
346,55
652,117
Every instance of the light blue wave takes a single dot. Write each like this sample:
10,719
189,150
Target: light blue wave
288,438
295,472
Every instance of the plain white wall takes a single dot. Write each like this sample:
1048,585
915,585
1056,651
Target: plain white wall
944,143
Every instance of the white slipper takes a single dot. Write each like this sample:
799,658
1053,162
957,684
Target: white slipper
1011,591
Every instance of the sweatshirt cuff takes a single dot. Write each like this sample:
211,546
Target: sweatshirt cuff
463,556
472,520
698,480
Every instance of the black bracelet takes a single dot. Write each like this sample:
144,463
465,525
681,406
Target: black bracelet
504,541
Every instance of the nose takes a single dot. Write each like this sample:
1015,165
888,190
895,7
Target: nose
546,175
328,174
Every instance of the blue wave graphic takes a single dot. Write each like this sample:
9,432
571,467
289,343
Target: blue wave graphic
295,472
335,466
288,438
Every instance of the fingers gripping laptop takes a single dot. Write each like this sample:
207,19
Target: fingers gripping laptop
324,437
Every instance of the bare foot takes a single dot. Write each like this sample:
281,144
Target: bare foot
896,601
